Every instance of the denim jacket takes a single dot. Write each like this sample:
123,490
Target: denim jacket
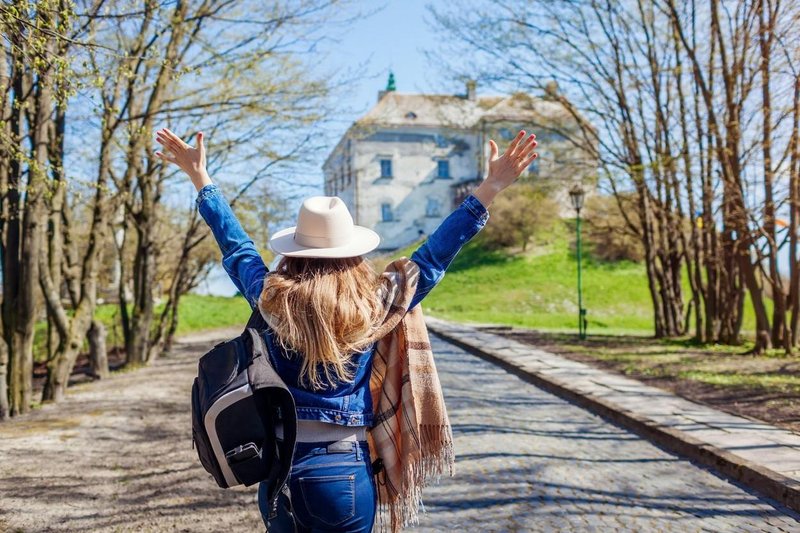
345,403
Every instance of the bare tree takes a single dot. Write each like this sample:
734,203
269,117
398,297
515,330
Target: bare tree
33,70
209,64
668,94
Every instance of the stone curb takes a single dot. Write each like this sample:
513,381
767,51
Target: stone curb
755,476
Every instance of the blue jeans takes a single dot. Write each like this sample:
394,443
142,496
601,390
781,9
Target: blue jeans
332,489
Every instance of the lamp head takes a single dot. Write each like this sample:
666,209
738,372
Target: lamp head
576,194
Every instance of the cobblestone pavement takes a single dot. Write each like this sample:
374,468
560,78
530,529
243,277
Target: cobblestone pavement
529,461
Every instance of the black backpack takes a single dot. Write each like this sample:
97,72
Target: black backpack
237,401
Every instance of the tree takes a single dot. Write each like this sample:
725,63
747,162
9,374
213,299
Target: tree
668,94
248,77
31,71
123,71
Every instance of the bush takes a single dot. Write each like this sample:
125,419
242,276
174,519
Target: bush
518,214
607,233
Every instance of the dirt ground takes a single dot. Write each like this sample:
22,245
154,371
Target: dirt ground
117,455
665,365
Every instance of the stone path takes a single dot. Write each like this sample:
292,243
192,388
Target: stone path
529,461
763,456
117,456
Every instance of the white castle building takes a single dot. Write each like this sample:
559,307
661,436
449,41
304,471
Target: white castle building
412,158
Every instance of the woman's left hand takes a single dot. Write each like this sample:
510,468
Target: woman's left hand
505,169
190,160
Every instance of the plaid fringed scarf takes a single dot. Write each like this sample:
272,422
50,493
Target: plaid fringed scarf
411,433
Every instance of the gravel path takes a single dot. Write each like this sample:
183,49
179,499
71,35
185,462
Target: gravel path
117,456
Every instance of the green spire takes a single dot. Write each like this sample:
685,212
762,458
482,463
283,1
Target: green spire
390,86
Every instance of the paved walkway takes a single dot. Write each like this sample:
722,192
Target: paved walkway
116,456
529,461
764,456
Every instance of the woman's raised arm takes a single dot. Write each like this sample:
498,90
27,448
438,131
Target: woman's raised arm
240,258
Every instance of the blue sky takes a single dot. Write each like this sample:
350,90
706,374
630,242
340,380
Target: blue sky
395,38
392,37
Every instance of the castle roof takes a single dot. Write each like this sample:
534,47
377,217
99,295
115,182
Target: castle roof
396,110
438,110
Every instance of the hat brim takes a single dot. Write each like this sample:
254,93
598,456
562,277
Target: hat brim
364,240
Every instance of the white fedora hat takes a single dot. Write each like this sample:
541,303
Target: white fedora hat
324,229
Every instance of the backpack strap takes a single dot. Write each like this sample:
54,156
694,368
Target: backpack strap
262,375
256,321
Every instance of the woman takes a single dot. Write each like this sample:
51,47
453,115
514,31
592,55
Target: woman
329,314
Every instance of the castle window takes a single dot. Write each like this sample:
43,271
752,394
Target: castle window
386,212
443,168
386,168
433,208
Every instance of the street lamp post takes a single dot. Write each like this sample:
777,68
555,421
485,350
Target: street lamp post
576,195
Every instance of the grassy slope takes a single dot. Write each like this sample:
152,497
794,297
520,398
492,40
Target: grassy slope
538,289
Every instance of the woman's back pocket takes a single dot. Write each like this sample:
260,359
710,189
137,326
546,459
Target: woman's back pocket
329,499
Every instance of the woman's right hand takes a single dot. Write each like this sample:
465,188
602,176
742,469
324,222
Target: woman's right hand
190,160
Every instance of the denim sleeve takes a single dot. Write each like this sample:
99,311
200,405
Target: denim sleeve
240,259
441,247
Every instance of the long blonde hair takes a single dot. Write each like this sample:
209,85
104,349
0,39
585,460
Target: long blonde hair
323,309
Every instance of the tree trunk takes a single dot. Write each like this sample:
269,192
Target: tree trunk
4,408
794,218
137,345
766,25
756,290
59,370
98,355
6,114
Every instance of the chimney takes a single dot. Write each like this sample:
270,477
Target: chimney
551,90
471,85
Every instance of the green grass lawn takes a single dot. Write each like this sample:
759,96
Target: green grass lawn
538,289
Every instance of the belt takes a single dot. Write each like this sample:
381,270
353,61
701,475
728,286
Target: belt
316,431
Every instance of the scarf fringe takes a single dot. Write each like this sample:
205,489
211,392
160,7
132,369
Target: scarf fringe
402,509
